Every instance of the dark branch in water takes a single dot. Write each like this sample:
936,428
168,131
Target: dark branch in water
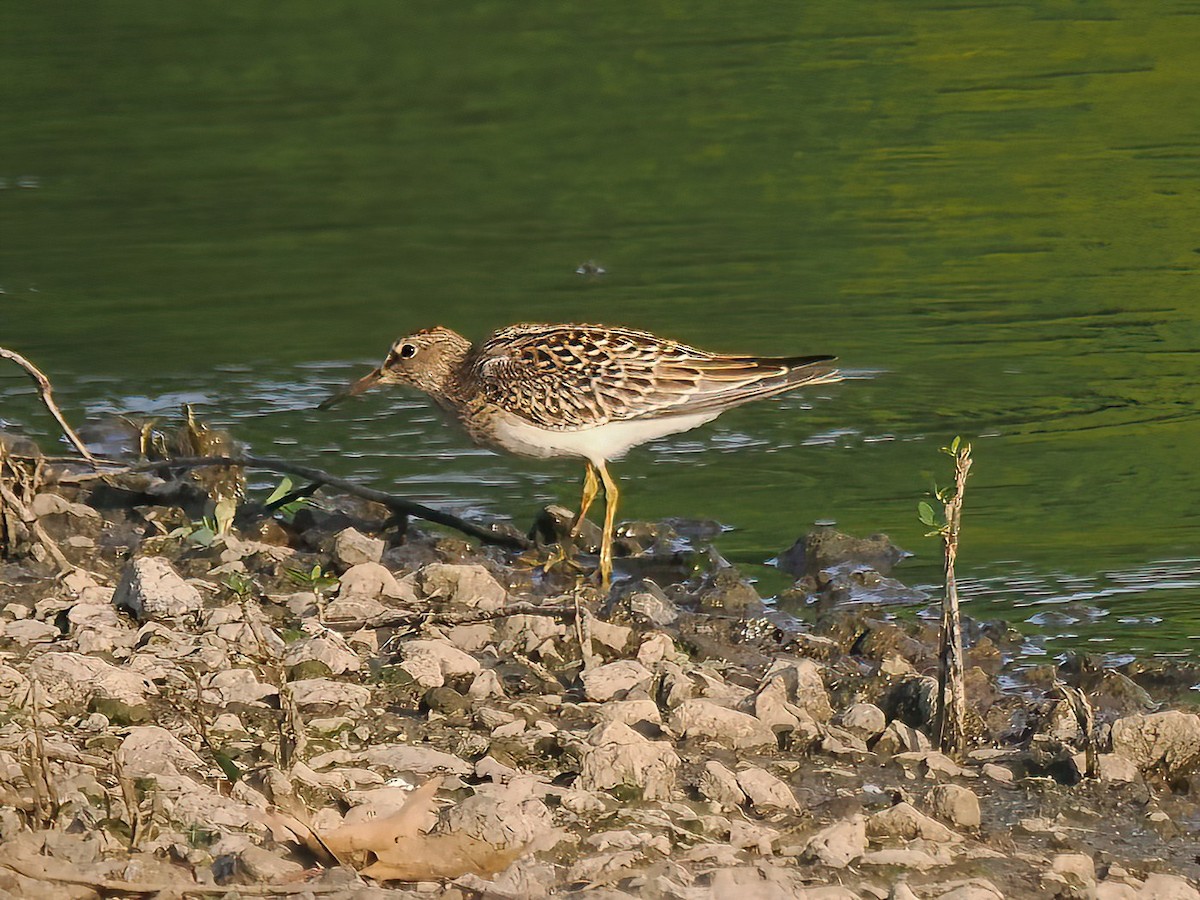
391,501
47,394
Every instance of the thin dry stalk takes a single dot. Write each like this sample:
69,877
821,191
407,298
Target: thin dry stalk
1085,716
137,820
46,391
952,694
294,742
37,771
583,631
17,521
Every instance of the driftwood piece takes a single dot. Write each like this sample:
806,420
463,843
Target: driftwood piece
396,504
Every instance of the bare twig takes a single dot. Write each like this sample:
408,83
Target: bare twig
394,617
1085,716
38,774
137,820
952,696
583,633
46,390
31,522
272,464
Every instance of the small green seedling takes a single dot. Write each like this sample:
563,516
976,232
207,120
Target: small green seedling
315,579
287,511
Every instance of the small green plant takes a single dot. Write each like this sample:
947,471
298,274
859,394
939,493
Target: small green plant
929,517
241,584
288,509
315,579
205,531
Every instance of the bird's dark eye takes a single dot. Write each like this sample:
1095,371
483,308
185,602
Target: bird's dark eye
407,351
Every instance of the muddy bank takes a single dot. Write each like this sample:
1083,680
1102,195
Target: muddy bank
193,702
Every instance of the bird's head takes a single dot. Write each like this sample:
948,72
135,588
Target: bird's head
426,360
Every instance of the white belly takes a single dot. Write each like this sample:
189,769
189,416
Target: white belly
598,443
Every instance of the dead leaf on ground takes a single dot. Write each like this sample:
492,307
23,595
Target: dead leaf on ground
396,848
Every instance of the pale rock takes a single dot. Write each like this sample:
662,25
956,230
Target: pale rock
371,580
1169,741
238,686
615,755
699,718
431,662
1116,890
609,636
1002,774
30,631
651,607
1076,872
227,723
900,738
528,633
901,891
468,585
676,686
631,712
839,844
1167,887
750,836
66,677
366,640
1110,767
616,679
805,683
766,792
500,816
417,760
771,706
151,589
99,628
841,742
485,686
934,763
905,821
974,889
351,548
262,866
48,504
14,687
896,666
955,804
351,608
471,638
323,693
149,751
508,730
864,719
329,648
719,785
655,647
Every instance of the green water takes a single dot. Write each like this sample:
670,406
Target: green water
988,209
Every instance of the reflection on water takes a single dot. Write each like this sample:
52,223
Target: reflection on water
989,210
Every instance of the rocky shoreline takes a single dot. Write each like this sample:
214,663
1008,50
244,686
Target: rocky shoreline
192,708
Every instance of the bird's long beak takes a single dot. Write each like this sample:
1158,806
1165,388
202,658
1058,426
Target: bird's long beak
365,383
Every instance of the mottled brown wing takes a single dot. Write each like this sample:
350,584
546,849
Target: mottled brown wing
564,377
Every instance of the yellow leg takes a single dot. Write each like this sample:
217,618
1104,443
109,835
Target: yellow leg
591,487
611,495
